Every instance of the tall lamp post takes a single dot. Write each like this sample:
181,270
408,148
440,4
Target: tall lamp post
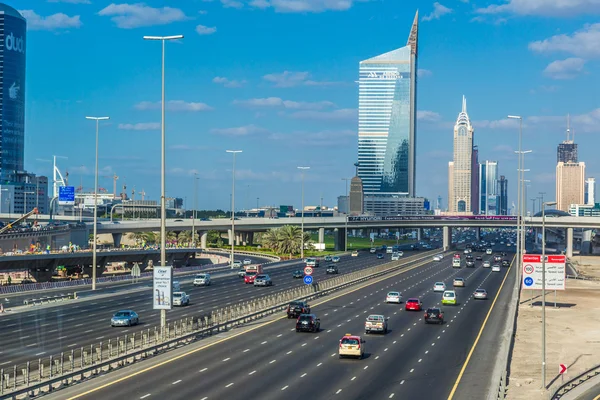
519,254
163,190
194,210
548,203
94,260
347,213
302,224
234,152
523,198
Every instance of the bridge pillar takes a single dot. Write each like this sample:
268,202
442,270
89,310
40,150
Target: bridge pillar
419,233
229,236
321,235
478,234
238,239
250,238
447,237
569,240
586,242
117,237
203,239
339,239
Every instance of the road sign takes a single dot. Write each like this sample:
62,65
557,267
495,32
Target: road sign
555,271
66,195
308,270
162,293
308,279
562,369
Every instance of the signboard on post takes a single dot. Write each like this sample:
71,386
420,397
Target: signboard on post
555,272
162,295
66,195
308,279
308,270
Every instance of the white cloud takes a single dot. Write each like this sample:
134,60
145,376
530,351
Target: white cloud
238,131
344,114
52,22
173,105
71,1
428,116
229,83
288,104
439,11
504,123
549,8
288,79
129,16
583,43
422,73
205,30
232,4
565,69
140,126
320,138
303,6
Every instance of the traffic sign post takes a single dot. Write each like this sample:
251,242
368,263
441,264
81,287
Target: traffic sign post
308,270
555,272
308,280
562,369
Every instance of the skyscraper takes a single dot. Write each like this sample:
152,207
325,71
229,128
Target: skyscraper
475,179
570,184
459,194
590,191
502,196
567,150
387,121
488,175
12,92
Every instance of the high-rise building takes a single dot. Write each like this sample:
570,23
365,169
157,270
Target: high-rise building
356,201
570,184
567,150
12,88
488,175
475,179
459,194
590,191
503,196
387,121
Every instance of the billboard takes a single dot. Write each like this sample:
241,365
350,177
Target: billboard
66,195
13,94
162,293
555,272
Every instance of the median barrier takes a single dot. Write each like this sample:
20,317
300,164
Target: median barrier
49,299
45,375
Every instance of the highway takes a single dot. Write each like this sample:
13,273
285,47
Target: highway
41,332
411,361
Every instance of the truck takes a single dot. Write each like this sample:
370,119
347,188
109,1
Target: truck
251,272
376,323
181,299
312,262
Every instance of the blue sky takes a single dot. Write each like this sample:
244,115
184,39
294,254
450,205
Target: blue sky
275,78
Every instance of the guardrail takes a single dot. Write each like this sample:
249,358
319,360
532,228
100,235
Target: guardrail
49,299
44,375
575,382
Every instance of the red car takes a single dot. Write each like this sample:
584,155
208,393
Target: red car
249,277
413,304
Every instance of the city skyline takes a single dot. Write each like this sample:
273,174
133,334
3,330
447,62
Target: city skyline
294,102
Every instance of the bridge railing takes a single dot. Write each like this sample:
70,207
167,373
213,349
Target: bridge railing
47,374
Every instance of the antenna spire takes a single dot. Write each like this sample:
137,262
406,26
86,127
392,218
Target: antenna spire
464,104
569,126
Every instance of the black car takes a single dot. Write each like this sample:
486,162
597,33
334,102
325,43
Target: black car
298,274
434,315
295,308
379,256
332,269
479,258
505,263
308,323
470,263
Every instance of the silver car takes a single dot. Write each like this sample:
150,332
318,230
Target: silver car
480,294
263,280
125,318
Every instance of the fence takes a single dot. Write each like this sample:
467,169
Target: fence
47,374
49,299
573,383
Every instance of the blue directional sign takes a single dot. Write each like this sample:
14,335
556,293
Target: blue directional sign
308,279
528,281
66,195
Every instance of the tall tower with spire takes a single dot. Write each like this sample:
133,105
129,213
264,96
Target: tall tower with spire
460,169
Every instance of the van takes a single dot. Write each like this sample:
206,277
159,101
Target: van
202,280
312,262
449,297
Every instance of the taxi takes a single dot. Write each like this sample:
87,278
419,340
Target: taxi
351,346
449,297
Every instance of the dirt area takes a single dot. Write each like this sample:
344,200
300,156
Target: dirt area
572,335
587,266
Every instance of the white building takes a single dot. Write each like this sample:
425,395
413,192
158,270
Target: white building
460,169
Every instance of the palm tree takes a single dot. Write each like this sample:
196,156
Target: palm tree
172,236
151,237
184,237
270,239
290,240
136,236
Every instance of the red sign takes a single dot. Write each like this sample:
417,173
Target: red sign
308,270
552,258
562,368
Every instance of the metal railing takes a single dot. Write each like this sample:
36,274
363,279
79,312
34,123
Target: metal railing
49,299
33,378
575,382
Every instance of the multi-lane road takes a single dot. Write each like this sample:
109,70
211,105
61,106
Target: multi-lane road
411,361
41,332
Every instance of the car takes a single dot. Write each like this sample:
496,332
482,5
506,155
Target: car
263,280
480,294
181,299
335,259
486,264
376,323
296,308
458,282
399,252
505,263
437,258
328,258
308,323
467,251
373,250
247,261
413,304
380,256
469,257
202,280
332,269
298,274
125,318
470,263
393,297
312,262
434,315
242,272
488,252
236,264
396,256
497,258
249,277
495,268
449,297
478,258
355,253
439,287
351,346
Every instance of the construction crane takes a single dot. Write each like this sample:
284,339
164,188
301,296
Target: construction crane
114,178
16,221
143,194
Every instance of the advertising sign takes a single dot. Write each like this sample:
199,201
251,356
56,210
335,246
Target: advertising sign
66,195
555,272
162,295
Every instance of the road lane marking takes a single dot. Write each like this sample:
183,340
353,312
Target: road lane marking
176,382
338,392
402,383
229,385
144,396
272,361
252,373
39,354
227,359
353,378
303,375
7,362
412,370
247,350
203,369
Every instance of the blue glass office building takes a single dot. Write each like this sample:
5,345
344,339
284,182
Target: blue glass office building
387,121
12,88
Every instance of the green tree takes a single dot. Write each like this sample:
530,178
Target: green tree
137,236
286,240
214,238
172,236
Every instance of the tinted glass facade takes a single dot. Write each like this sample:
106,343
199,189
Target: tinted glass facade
488,177
12,87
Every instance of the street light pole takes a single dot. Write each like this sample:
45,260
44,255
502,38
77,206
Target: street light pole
519,254
302,224
347,214
234,152
94,260
194,210
163,190
549,203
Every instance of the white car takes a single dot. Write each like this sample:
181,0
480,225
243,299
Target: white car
373,250
395,256
393,297
488,252
486,264
439,287
496,268
247,261
437,258
181,299
202,280
236,264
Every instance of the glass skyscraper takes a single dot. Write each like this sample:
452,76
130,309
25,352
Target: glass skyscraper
387,121
488,177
